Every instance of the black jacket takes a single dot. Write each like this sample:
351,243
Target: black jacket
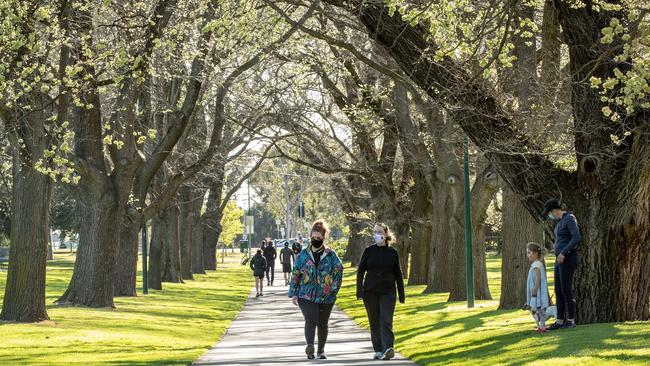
270,254
258,264
380,265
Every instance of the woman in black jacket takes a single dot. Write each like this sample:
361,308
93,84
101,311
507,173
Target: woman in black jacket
258,265
380,265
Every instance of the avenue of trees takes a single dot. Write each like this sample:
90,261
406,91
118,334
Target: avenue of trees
157,111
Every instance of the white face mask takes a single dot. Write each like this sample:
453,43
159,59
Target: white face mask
379,239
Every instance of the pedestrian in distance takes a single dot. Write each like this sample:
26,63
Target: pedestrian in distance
379,282
297,247
315,282
287,258
258,265
567,237
270,254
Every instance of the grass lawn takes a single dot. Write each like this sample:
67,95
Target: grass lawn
431,331
169,327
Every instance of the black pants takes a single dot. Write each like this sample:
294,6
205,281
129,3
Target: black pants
316,315
566,303
380,309
270,267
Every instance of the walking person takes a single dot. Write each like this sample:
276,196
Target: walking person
297,246
258,265
379,278
567,237
287,259
315,281
270,254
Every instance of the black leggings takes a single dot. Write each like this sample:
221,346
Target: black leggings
316,315
380,309
563,273
270,268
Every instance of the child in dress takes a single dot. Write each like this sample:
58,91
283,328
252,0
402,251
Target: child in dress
536,286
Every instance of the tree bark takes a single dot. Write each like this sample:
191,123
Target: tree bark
127,259
185,224
518,229
171,258
94,270
198,266
212,221
357,241
155,252
24,299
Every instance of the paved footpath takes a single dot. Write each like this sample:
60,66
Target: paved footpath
269,331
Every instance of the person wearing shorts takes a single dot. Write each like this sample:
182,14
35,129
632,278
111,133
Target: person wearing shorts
286,258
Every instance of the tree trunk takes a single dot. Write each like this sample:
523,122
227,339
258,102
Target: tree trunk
171,258
421,242
518,229
127,259
155,252
198,266
94,270
185,224
401,230
357,242
24,299
444,233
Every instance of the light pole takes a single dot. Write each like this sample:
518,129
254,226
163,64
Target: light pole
287,225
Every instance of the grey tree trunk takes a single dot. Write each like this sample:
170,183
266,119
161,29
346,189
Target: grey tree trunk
24,299
198,267
171,258
185,224
155,252
518,229
127,259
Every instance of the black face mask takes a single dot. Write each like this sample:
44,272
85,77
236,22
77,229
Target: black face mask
316,243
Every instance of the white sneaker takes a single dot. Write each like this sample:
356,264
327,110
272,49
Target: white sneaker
377,356
388,354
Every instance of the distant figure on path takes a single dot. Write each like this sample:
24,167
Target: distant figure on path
377,276
270,254
536,286
297,247
258,265
567,237
316,279
287,259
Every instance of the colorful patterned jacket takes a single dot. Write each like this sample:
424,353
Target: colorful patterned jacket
321,284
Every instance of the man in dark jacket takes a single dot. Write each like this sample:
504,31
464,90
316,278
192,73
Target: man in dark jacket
567,237
270,254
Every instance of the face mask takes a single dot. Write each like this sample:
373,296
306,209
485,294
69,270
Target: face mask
551,217
316,243
379,239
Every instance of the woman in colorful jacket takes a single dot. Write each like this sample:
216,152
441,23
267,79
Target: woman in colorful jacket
315,281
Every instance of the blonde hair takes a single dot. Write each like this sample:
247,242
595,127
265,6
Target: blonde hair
320,226
536,248
390,237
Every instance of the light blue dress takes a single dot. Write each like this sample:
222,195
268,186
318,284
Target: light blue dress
541,301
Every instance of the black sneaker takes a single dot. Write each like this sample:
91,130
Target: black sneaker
257,295
569,325
388,354
310,351
555,326
321,356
